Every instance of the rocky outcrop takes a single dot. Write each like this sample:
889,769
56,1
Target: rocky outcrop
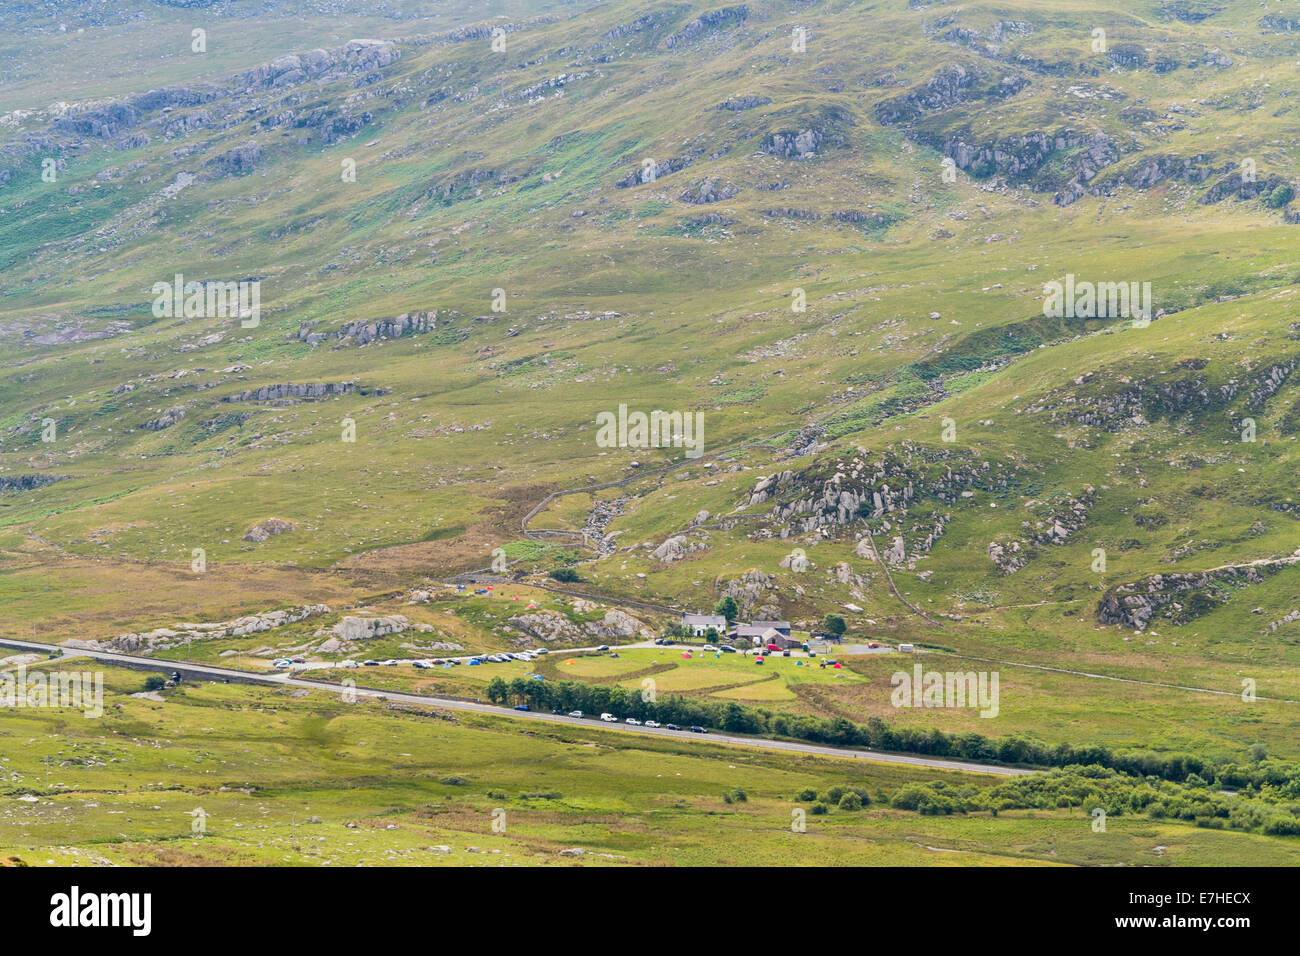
1182,597
638,175
707,25
618,625
285,393
166,420
948,87
1288,618
736,104
1184,392
750,593
408,323
239,161
1274,23
268,529
708,191
677,547
1055,527
14,483
163,638
353,629
832,494
800,144
546,626
376,330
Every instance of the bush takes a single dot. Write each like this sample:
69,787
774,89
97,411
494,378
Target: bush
850,801
154,682
807,795
568,575
834,794
819,809
1279,197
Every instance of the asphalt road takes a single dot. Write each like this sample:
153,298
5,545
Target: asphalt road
451,703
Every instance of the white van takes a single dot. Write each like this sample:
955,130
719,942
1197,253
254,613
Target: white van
609,718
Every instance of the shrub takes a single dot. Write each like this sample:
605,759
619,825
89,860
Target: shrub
807,795
1279,197
850,801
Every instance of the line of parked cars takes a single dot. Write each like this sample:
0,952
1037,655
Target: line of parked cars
429,663
630,721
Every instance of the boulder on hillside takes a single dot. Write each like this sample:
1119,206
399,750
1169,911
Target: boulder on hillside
268,528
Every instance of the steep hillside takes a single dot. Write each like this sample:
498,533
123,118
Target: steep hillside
827,229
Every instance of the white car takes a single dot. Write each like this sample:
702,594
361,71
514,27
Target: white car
609,718
633,722
541,650
348,664
653,723
282,662
709,647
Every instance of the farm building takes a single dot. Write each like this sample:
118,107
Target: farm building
699,624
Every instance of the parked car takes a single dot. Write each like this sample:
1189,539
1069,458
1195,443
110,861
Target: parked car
728,649
282,662
298,660
671,727
698,730
575,713
370,663
609,718
653,723
709,647
633,722
603,647
542,650
522,707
